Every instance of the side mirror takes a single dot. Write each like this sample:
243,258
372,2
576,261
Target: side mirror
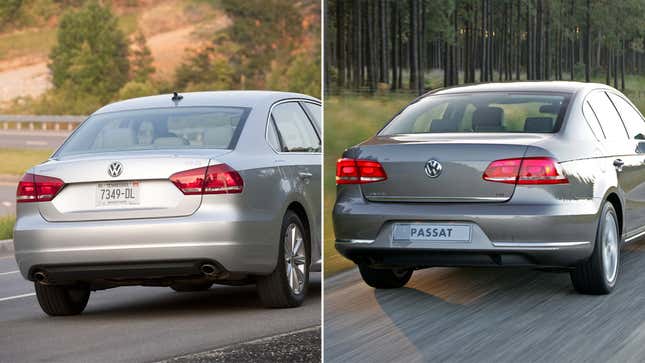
640,149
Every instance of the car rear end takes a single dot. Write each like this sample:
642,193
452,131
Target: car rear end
144,196
467,180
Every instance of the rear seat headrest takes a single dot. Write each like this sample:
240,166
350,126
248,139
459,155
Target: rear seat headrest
488,119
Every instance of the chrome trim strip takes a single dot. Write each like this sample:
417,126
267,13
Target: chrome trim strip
365,241
540,244
430,199
635,237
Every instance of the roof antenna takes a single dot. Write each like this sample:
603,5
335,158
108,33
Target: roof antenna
176,96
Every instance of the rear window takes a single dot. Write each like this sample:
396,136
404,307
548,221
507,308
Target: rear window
481,112
158,129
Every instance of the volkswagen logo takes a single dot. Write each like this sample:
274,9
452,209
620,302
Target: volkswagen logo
433,168
115,169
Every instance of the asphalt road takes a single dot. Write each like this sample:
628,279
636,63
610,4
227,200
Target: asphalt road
137,324
31,139
487,315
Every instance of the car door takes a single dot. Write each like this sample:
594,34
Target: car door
300,150
635,198
621,154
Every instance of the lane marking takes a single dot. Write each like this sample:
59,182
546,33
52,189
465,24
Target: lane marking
9,273
17,296
35,143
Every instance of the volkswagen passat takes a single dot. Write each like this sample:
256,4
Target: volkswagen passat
548,174
177,190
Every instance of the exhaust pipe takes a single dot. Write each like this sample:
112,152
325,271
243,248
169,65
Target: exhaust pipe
208,270
40,276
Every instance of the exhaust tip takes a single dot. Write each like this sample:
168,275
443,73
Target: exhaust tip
40,276
208,269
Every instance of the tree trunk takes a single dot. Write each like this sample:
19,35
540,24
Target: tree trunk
588,44
340,42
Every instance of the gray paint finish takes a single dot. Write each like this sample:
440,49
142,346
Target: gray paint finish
520,216
239,231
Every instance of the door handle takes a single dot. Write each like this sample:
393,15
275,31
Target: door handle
618,163
305,175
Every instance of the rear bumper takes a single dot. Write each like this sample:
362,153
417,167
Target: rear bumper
240,243
502,233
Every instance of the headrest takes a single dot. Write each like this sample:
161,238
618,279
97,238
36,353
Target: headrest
549,109
219,137
170,141
488,119
115,138
538,124
441,125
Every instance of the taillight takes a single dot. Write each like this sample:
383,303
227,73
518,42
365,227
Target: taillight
533,170
358,171
214,179
37,188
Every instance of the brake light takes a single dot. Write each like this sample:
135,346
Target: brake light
533,170
37,188
214,179
358,171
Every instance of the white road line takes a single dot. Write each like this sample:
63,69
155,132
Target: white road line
9,273
17,296
36,143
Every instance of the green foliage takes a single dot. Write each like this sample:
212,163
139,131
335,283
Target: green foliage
8,10
262,29
135,88
296,73
141,65
91,54
204,71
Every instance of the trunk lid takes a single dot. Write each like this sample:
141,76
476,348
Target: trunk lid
463,159
90,191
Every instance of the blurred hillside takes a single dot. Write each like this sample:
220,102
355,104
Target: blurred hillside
168,45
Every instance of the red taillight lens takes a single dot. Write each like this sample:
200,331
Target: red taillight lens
215,179
37,188
222,179
503,171
352,171
534,170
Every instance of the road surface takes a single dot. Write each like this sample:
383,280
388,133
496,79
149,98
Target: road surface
487,315
137,324
48,140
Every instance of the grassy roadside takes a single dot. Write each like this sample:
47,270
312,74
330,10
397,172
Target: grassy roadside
16,161
348,121
6,227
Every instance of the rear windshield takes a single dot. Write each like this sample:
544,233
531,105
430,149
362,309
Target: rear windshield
481,112
157,129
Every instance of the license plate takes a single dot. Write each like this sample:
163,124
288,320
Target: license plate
432,232
117,194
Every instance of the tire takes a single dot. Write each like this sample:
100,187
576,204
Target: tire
191,286
62,300
275,290
594,276
385,278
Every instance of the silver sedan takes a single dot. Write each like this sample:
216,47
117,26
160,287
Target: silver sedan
181,191
548,174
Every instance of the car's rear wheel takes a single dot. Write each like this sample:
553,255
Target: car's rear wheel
287,285
598,274
191,286
385,278
62,300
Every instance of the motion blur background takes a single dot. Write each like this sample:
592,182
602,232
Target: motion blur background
381,54
70,57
